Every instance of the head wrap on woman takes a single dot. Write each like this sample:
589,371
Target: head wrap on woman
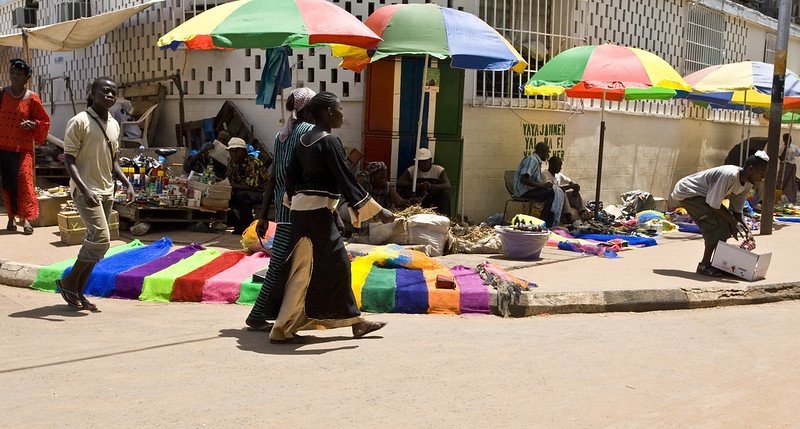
375,167
21,64
301,98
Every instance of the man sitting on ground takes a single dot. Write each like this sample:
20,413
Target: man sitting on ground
433,186
701,194
530,184
248,177
573,201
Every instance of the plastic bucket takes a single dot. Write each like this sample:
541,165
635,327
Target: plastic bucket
523,245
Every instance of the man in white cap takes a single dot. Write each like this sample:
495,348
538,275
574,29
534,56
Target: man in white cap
701,194
248,177
433,186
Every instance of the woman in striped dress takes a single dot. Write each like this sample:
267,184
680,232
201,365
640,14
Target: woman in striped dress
285,142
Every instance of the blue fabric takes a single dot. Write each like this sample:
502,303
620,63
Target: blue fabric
473,44
411,294
101,282
631,239
688,227
574,247
276,75
788,219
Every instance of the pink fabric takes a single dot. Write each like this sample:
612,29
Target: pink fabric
224,287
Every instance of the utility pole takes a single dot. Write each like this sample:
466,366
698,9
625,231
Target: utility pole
776,112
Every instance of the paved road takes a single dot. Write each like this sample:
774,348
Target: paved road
143,364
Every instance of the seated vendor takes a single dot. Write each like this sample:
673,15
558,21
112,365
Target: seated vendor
199,160
247,177
377,184
530,184
573,201
433,186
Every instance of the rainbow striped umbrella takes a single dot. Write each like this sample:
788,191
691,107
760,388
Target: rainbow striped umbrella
269,24
746,83
606,71
441,32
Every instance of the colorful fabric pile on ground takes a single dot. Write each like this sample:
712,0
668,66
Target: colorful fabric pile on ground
394,279
787,214
388,279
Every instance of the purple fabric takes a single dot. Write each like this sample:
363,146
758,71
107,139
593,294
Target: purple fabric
129,283
474,294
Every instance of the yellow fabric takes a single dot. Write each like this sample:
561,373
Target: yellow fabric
359,270
660,72
544,90
751,98
365,213
734,77
304,202
198,24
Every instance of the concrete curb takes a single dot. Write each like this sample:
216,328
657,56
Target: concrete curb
16,274
532,303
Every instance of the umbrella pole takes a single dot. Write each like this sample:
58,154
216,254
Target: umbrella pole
743,142
600,155
419,124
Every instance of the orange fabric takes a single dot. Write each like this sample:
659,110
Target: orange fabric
442,301
12,113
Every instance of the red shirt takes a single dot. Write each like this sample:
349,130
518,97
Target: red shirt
12,113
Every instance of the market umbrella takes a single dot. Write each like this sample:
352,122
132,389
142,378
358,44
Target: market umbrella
743,86
269,24
606,72
440,32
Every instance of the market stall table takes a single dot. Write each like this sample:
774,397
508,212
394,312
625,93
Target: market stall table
134,213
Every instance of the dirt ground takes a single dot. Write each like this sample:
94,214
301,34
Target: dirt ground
144,364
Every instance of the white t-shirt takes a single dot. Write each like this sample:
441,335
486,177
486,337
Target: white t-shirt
716,184
792,153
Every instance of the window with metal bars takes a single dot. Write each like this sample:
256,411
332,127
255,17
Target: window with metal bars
705,38
539,30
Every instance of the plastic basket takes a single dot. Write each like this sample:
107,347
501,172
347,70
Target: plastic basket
523,245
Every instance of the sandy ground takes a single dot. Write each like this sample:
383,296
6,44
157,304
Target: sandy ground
143,364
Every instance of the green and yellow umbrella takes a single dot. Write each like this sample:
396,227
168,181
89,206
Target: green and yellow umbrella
606,72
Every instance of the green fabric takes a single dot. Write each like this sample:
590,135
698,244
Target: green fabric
378,292
248,293
245,27
564,70
158,286
652,93
46,276
414,29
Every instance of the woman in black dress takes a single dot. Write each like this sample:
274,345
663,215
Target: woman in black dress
317,292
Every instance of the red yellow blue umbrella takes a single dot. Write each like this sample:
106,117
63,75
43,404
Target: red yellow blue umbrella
269,24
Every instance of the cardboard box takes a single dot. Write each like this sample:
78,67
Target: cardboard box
72,228
741,263
215,203
48,211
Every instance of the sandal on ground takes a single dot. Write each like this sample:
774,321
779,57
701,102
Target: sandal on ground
365,328
28,230
86,305
293,340
11,226
708,270
71,297
256,324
